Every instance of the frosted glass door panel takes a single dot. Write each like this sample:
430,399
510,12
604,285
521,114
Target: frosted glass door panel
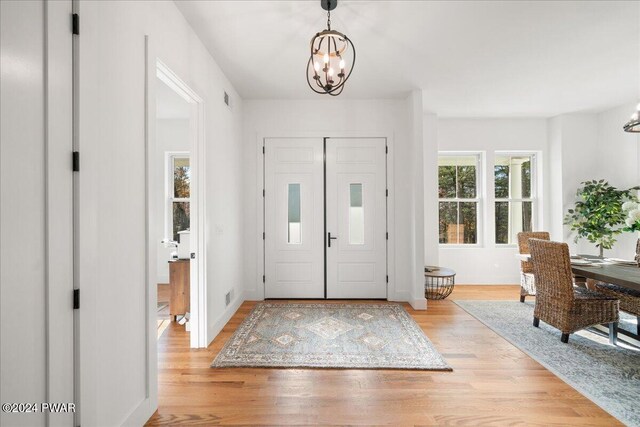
293,220
356,215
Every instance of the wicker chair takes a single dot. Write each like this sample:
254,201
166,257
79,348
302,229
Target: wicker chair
527,281
558,302
629,299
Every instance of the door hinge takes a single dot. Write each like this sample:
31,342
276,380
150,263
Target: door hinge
263,193
75,24
263,149
76,299
263,235
387,278
193,255
387,192
76,161
387,235
386,149
264,278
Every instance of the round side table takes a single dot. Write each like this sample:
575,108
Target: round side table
438,282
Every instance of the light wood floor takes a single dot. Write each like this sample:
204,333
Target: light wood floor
492,383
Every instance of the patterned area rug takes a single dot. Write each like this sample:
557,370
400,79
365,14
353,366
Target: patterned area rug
356,336
608,375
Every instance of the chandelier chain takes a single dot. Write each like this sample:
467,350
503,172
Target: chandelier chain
328,19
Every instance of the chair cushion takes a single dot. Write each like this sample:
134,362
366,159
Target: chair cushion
585,294
619,289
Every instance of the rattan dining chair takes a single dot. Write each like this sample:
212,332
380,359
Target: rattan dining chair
629,299
558,302
527,280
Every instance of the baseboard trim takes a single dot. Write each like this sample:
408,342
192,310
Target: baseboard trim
215,328
419,303
141,414
253,295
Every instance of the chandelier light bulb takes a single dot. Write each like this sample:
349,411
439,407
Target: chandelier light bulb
316,66
326,58
330,72
342,64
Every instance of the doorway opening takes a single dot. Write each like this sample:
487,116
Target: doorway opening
176,208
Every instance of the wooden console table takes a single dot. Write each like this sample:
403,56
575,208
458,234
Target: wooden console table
180,284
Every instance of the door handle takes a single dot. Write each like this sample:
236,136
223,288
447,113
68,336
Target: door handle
330,239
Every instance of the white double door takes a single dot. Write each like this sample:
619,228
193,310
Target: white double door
325,216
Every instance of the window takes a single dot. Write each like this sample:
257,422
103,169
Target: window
293,220
458,197
514,177
178,194
356,215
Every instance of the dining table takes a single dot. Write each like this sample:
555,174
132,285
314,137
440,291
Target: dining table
626,275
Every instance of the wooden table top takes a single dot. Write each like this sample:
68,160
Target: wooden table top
434,271
627,276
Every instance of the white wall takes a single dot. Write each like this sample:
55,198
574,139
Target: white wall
592,146
618,160
554,183
171,135
336,117
112,205
575,140
489,263
430,187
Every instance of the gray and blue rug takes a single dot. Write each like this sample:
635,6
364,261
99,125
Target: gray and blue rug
351,336
607,375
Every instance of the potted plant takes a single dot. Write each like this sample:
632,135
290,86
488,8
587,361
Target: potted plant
598,215
631,208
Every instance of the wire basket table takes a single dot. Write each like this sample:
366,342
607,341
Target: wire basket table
438,282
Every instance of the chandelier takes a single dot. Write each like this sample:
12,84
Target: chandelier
633,125
332,58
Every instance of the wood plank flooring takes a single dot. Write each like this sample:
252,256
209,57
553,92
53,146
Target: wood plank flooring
493,383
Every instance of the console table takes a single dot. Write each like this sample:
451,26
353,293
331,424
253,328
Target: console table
180,284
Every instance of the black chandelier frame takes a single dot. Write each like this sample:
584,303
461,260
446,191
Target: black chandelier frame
332,39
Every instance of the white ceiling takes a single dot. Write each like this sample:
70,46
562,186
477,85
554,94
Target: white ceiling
170,105
471,59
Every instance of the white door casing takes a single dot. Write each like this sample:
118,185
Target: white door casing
356,217
294,218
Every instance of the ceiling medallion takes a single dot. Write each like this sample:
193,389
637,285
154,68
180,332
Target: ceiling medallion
332,58
633,125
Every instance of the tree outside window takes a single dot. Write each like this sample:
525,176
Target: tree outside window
179,194
458,198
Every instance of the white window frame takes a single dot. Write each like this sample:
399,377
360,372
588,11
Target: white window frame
170,157
478,199
534,191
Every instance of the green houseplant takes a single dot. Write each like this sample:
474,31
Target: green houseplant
598,215
631,208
